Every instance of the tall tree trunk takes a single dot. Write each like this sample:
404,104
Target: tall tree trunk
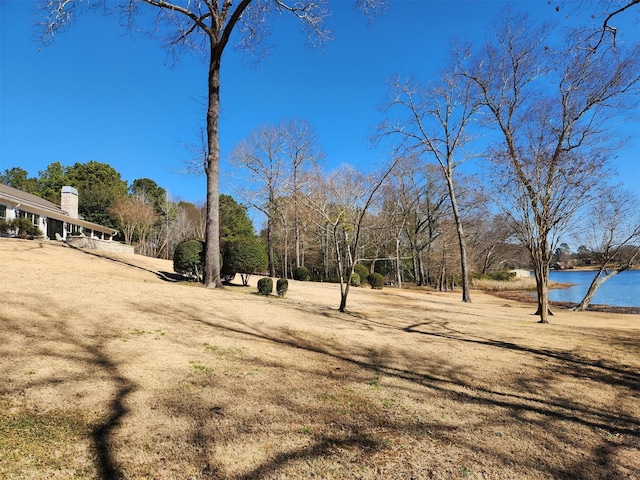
344,289
487,256
598,280
415,266
302,250
466,295
344,294
428,253
326,253
542,286
398,263
593,288
442,287
297,234
424,279
270,252
285,241
211,274
296,222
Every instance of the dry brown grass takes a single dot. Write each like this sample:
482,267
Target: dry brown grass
113,370
516,284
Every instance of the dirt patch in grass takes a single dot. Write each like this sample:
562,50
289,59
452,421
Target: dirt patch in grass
113,369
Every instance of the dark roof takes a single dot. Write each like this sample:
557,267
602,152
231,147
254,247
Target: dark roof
29,199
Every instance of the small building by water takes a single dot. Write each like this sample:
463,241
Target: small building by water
521,273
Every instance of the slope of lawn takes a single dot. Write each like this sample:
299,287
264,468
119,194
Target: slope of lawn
111,368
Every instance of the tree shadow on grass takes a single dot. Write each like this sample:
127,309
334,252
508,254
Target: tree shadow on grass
323,447
102,433
59,341
606,372
430,377
544,410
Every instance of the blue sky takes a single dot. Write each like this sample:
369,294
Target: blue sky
100,93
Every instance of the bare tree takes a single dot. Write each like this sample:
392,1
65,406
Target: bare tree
552,107
614,223
342,204
495,245
168,213
276,160
394,219
418,196
435,124
375,236
136,217
303,153
205,27
147,218
262,157
424,225
122,211
607,11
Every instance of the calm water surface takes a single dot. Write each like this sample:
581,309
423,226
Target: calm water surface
623,290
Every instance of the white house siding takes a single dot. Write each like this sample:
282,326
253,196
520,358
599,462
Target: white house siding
520,273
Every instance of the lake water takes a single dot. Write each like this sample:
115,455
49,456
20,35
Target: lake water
623,290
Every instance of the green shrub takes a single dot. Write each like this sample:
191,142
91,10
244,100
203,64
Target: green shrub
502,275
376,280
4,226
362,271
265,286
244,255
301,273
188,258
23,228
355,280
282,285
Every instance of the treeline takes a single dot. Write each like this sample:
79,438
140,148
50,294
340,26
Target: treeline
585,256
408,233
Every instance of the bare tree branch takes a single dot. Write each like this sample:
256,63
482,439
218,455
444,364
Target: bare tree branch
554,110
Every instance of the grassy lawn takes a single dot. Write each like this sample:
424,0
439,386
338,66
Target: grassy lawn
113,370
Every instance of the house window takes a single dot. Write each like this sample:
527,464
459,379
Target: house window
73,229
3,212
33,218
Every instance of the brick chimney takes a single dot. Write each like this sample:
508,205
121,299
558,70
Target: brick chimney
69,201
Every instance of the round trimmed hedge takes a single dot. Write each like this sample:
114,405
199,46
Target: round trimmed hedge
302,273
362,271
282,286
376,280
265,286
188,258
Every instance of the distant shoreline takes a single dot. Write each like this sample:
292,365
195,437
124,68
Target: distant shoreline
587,269
526,297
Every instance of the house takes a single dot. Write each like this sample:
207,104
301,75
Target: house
58,222
520,273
